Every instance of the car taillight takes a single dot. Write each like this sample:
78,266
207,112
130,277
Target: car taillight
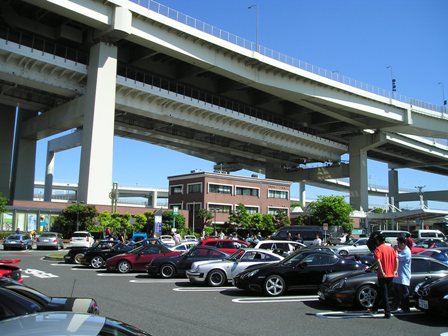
55,240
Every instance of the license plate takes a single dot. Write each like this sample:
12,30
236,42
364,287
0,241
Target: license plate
423,304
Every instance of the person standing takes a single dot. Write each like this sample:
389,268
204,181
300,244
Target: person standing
387,262
409,241
317,241
403,280
299,238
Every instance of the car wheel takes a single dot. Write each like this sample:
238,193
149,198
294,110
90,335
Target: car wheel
274,285
167,271
365,296
124,266
343,253
77,258
97,262
216,278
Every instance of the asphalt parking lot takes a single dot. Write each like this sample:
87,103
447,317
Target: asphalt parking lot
176,307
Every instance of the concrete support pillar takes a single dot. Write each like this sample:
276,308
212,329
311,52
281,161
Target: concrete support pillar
359,195
26,163
49,173
154,199
393,188
7,114
98,130
302,194
359,184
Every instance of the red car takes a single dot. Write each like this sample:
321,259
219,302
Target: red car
137,259
226,245
10,271
424,244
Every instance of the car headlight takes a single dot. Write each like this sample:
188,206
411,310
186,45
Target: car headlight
417,287
194,268
252,273
338,284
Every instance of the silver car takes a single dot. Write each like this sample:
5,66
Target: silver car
359,246
18,241
50,240
217,273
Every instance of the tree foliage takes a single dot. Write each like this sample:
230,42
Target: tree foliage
66,222
333,210
3,202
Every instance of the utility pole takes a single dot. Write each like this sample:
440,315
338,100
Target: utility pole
256,26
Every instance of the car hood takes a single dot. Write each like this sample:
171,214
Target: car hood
76,305
350,275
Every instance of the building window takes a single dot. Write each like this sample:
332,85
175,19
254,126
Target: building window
176,189
245,191
275,211
220,189
277,194
220,208
175,207
252,209
194,188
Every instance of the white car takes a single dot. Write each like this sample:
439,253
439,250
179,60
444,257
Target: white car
81,239
190,238
217,273
282,247
359,246
184,246
167,240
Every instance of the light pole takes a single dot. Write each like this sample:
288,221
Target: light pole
256,27
214,221
77,213
443,96
393,80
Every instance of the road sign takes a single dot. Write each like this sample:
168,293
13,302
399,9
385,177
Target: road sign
325,226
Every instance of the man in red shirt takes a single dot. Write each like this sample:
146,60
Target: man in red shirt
386,258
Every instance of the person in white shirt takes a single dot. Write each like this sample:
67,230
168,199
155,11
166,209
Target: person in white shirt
317,241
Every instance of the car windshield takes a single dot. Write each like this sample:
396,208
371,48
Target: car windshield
237,255
80,234
30,293
47,235
16,237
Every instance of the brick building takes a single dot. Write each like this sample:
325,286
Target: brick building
221,193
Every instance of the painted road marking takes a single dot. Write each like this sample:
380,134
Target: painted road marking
201,289
154,280
40,274
62,264
86,269
116,274
361,314
281,299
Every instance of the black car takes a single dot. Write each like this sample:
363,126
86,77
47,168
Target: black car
302,269
75,254
18,299
97,255
432,296
360,288
167,267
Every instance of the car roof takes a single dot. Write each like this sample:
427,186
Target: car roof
48,323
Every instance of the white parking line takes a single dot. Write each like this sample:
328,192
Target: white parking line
201,289
85,269
154,280
116,274
62,264
300,298
361,314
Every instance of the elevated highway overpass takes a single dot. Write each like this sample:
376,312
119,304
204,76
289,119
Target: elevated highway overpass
105,68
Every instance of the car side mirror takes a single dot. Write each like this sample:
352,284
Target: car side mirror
303,265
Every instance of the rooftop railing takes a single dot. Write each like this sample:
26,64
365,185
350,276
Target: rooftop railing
268,52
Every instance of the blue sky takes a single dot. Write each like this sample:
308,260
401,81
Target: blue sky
355,38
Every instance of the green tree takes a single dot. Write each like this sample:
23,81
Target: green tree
169,218
333,210
66,222
205,215
281,219
3,202
240,217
